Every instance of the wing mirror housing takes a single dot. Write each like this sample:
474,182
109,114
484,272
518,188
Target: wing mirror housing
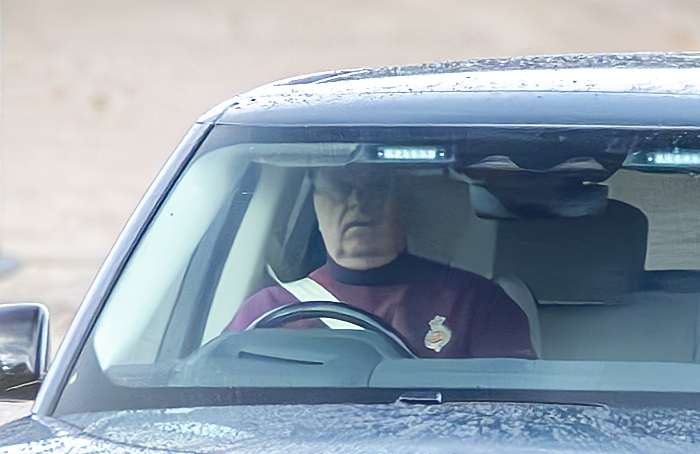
24,347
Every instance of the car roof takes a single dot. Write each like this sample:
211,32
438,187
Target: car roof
637,90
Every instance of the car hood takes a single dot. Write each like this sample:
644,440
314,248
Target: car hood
454,427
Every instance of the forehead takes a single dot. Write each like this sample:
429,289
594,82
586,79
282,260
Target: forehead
353,175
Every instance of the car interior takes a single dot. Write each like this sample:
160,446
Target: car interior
581,280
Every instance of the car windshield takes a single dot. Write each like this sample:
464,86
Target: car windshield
366,264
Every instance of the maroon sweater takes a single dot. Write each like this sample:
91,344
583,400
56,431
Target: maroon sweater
408,293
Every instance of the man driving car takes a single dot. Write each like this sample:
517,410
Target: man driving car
440,311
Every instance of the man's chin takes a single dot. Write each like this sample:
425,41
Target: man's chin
360,249
364,258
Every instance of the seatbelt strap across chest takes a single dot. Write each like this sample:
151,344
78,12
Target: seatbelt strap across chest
306,289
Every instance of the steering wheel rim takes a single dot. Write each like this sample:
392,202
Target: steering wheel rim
304,310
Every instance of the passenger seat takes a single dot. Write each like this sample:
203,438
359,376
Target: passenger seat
521,294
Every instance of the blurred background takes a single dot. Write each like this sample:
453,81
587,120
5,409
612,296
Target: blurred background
97,93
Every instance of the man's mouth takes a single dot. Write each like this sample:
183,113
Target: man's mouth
352,224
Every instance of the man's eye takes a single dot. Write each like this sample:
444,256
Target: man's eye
339,188
331,191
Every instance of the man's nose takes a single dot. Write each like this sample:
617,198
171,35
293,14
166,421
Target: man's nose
358,196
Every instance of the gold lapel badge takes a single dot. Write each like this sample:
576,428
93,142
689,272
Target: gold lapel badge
439,335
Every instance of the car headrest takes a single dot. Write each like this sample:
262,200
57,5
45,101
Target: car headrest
591,259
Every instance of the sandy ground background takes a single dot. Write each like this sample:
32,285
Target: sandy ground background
97,93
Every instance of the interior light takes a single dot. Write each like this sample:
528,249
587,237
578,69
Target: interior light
399,153
675,160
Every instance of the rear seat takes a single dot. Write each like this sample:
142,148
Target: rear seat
646,326
595,301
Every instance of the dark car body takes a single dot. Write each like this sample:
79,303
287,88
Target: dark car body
578,119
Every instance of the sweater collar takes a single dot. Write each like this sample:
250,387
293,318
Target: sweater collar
403,269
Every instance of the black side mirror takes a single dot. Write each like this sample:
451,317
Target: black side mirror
24,346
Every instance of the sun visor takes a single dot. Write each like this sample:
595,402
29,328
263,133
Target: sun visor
500,189
303,154
339,154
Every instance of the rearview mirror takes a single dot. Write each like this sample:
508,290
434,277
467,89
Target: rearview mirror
500,189
24,343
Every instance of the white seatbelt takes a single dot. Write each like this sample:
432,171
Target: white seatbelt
307,289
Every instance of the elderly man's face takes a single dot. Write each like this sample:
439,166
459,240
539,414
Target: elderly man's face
358,216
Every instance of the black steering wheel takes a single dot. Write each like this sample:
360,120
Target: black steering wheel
305,310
